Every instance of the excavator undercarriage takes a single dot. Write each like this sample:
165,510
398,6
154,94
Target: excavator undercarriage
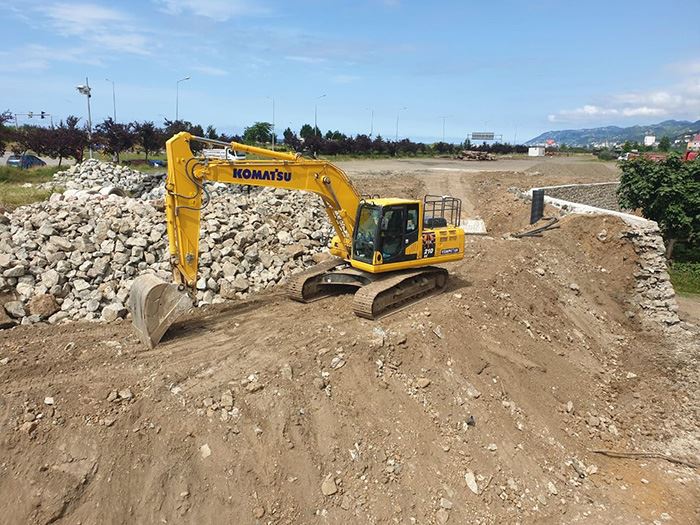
377,294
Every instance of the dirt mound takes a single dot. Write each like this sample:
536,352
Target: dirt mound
477,405
482,404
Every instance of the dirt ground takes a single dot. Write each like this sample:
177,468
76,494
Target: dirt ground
481,405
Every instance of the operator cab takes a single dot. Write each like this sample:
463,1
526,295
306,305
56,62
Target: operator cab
398,230
386,227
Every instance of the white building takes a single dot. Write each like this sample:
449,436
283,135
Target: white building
535,151
649,140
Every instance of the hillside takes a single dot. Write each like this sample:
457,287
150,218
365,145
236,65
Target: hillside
589,136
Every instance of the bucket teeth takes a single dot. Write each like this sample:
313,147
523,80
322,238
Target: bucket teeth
154,306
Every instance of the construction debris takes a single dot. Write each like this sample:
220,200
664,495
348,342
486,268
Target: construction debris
466,154
76,255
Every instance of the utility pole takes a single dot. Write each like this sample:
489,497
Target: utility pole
316,114
396,139
114,100
177,97
85,90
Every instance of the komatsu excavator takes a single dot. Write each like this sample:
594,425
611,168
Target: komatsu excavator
384,248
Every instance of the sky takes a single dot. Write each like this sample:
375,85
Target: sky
515,68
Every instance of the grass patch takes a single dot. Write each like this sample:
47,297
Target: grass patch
12,175
685,277
17,187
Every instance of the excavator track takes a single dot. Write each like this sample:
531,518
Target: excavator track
398,290
306,286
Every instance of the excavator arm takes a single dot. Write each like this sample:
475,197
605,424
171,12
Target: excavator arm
186,193
155,304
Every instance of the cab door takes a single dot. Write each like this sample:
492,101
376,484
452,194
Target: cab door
398,231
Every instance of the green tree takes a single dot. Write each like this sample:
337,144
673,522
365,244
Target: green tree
6,132
667,192
306,132
291,140
115,138
70,140
259,132
149,137
665,143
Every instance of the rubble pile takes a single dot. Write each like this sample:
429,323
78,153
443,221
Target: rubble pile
92,175
466,154
95,177
76,256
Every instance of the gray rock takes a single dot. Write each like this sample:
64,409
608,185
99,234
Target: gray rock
328,487
15,309
15,271
50,278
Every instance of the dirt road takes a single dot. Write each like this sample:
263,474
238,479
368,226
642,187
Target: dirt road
479,405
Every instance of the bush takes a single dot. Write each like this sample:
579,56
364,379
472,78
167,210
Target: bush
666,191
685,277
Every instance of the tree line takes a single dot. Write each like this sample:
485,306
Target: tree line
69,139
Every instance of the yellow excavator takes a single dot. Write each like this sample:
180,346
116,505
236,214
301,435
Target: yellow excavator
384,248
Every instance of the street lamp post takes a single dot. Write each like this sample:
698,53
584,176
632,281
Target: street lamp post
316,113
443,127
396,139
177,97
273,123
84,89
114,100
371,121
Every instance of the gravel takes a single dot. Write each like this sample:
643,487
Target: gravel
75,256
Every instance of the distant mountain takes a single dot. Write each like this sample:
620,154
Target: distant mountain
674,129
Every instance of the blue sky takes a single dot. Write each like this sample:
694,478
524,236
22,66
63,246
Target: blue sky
504,66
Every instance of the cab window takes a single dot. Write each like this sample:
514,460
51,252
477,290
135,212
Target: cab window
366,233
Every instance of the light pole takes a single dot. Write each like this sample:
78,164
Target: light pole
177,97
84,89
273,123
396,139
445,117
316,113
371,121
114,100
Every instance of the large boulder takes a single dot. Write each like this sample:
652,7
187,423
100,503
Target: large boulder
43,305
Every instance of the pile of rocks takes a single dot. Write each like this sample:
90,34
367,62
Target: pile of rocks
466,154
75,257
93,175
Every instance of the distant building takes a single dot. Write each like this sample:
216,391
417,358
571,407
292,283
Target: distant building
535,151
649,140
694,143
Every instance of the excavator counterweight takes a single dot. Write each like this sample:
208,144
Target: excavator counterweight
384,249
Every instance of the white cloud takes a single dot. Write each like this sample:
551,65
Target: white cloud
36,57
681,100
102,26
305,59
210,70
644,111
220,10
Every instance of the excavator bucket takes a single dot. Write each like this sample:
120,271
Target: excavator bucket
154,306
